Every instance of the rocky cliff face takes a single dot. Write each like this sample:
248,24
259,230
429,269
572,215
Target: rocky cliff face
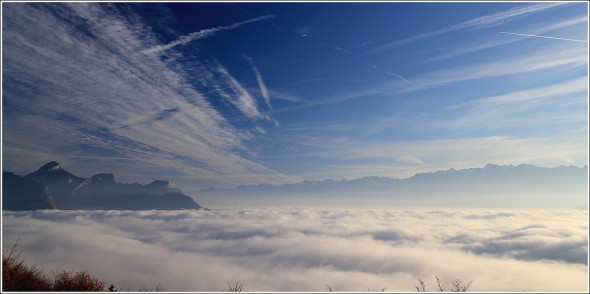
20,193
59,182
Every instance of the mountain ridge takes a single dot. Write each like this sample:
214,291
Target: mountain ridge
417,175
100,191
492,185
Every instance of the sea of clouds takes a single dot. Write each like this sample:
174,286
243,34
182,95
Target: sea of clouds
308,249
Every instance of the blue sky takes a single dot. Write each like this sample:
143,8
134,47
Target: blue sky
223,94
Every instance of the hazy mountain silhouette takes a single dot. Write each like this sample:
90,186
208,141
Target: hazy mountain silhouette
493,185
59,182
100,191
20,193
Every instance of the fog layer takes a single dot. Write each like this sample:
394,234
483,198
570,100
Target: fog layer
305,249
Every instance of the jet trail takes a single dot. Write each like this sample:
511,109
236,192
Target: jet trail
202,34
545,37
395,75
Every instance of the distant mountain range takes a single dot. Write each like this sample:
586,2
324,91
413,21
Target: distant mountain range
53,187
490,186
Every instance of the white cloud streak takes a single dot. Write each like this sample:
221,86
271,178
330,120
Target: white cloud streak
396,75
337,154
202,34
487,43
304,249
544,37
550,57
579,85
242,99
495,18
558,58
514,117
483,21
285,96
261,84
466,152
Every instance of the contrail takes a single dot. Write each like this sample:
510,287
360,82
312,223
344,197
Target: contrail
261,85
202,34
486,20
395,75
545,37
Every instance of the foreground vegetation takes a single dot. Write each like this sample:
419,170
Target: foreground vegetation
456,286
17,276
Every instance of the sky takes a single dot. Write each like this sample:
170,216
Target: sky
225,94
308,249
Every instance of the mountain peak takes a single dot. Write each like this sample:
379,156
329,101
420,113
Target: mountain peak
50,166
52,170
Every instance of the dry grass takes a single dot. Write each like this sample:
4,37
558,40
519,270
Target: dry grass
80,281
157,288
382,289
237,287
17,276
456,285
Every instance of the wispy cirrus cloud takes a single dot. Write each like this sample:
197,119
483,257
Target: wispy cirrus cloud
529,108
75,85
482,21
202,34
276,94
498,17
557,58
261,84
419,156
544,37
396,75
487,42
578,85
543,59
242,98
504,126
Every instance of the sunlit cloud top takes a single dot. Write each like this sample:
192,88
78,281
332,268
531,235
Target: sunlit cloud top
305,249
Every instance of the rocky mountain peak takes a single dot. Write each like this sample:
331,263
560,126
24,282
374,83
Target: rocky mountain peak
50,166
163,184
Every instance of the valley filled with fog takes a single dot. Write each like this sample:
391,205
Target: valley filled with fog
298,146
309,249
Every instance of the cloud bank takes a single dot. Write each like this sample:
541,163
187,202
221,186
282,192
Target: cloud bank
304,249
